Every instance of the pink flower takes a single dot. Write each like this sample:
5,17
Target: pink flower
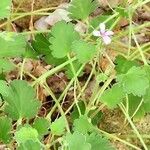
103,33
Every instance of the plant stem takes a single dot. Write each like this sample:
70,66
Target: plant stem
116,138
133,126
43,77
65,91
58,105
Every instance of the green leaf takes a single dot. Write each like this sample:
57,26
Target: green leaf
84,51
75,114
21,101
5,65
41,44
5,128
123,65
3,88
82,125
50,59
30,52
102,77
5,7
11,44
63,35
81,9
29,145
147,94
137,102
2,76
41,125
134,102
58,126
76,64
146,107
134,81
96,119
113,96
123,12
77,141
25,133
98,142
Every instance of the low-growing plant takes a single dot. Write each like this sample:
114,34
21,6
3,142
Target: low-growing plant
125,79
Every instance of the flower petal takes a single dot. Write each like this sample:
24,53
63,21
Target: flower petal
96,33
102,27
106,39
108,33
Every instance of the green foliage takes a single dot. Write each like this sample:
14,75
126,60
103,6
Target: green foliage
63,35
97,118
84,51
5,65
75,113
42,125
82,125
30,52
5,7
141,103
58,126
50,59
102,77
98,142
77,141
113,96
134,81
26,133
123,65
20,126
81,9
76,64
4,88
134,102
12,44
5,129
29,145
41,44
21,101
123,12
91,141
147,95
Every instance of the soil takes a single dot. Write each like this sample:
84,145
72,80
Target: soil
26,6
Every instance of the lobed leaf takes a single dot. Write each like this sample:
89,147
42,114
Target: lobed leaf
98,142
82,125
29,145
5,65
42,125
84,51
26,133
135,81
123,65
21,101
11,44
58,126
63,34
81,9
113,96
77,141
